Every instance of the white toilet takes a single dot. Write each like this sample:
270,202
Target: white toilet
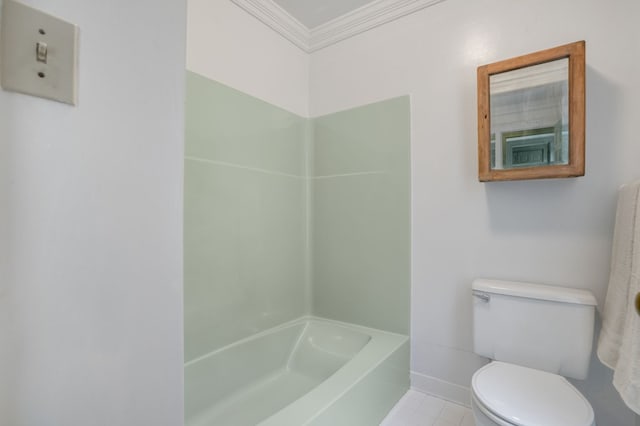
535,334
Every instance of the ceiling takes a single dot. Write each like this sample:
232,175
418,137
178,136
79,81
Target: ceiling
313,13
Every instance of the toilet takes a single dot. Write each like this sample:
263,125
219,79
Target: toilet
535,335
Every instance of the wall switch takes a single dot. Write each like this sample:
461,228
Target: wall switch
38,53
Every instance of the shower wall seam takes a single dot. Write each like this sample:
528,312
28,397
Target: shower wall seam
239,166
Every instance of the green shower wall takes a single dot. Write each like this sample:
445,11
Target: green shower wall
361,216
245,216
287,216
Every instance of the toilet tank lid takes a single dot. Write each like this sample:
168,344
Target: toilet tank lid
535,291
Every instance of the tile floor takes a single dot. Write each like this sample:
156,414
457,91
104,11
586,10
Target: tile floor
418,409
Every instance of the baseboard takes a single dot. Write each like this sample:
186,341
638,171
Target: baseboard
441,389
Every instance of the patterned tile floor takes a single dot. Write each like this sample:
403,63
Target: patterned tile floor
418,409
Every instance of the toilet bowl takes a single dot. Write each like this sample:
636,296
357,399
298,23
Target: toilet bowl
535,335
510,395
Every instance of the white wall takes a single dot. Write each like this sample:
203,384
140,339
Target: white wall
226,44
91,228
557,231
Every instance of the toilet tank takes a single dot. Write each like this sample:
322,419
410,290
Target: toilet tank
538,326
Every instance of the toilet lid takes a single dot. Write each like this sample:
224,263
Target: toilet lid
527,397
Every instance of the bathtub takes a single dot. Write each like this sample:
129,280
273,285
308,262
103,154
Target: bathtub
310,371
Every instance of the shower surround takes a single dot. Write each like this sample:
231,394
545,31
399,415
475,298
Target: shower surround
294,220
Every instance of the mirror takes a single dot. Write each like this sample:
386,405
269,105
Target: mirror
531,116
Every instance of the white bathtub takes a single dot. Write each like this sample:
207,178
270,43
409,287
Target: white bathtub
310,371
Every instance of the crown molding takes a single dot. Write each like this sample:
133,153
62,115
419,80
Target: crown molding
369,16
271,14
363,19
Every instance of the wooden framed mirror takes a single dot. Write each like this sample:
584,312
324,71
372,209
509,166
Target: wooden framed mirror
531,115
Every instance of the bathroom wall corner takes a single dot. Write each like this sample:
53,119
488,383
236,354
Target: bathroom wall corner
309,171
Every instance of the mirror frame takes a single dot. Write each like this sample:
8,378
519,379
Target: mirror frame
576,54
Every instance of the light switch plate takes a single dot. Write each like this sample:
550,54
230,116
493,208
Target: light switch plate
38,53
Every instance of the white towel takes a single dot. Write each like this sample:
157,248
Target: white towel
619,342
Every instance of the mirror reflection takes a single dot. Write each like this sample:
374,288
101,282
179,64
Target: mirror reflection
530,116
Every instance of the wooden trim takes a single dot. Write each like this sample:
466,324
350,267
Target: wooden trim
484,125
577,109
576,167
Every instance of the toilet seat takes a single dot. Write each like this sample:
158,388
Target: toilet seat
521,396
